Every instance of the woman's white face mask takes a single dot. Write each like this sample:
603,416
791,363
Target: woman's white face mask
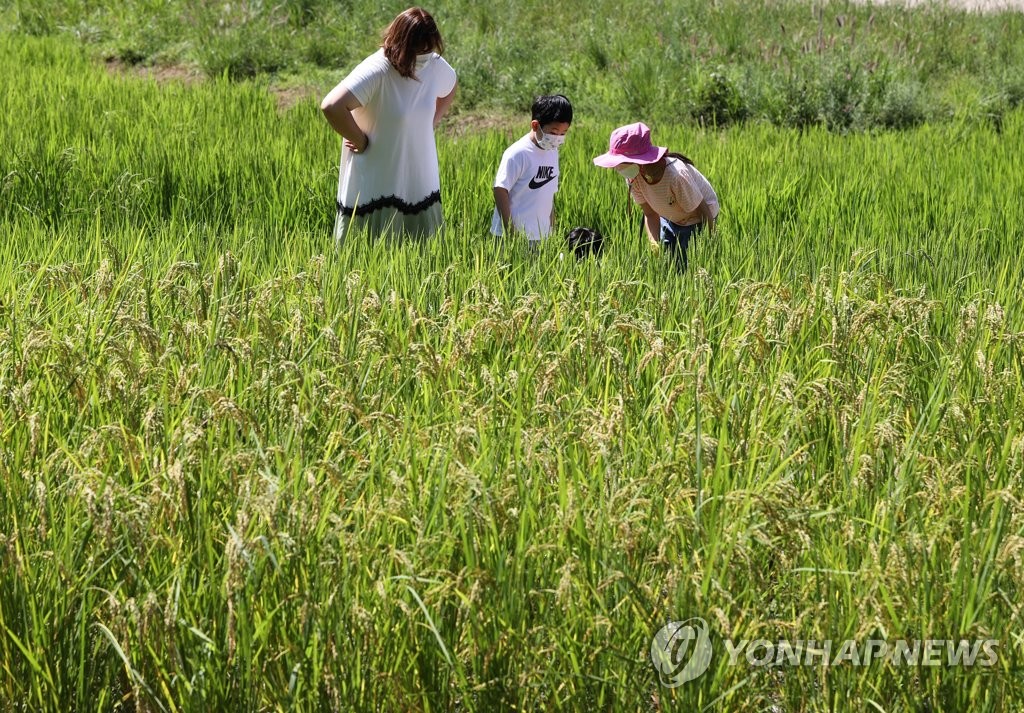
629,171
550,142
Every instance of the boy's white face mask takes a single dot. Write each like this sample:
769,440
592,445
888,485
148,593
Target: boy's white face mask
629,171
549,142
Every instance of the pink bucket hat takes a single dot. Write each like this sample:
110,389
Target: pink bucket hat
630,144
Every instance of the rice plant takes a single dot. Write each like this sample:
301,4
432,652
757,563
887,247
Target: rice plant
243,468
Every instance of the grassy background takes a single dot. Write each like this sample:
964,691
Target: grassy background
244,469
845,65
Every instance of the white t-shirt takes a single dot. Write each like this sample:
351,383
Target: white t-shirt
399,168
530,175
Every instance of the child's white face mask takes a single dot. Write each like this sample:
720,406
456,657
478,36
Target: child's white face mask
629,171
550,142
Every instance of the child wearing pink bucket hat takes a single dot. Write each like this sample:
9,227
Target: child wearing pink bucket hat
677,201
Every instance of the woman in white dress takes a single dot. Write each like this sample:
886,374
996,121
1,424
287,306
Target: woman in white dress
386,109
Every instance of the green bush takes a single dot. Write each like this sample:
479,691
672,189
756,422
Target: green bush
1012,86
801,105
902,106
842,94
718,101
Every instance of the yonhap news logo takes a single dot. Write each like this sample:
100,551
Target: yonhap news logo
682,651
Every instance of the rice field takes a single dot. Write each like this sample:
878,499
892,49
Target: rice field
243,468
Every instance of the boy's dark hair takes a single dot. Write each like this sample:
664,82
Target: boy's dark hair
585,241
551,108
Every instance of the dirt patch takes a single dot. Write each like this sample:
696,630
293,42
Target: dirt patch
477,122
284,97
161,74
287,97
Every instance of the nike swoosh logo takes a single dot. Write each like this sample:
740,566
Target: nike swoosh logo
535,185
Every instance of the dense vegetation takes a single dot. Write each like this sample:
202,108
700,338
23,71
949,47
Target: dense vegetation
844,65
243,468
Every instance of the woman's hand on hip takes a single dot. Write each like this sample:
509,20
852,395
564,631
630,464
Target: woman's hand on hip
358,148
337,108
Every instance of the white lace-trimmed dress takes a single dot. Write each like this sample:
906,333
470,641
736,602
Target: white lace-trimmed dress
394,187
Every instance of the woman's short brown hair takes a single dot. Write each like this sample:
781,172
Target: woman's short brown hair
413,32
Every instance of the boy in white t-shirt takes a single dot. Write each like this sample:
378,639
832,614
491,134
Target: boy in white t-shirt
527,178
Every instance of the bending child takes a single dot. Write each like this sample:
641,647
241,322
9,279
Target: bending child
678,202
